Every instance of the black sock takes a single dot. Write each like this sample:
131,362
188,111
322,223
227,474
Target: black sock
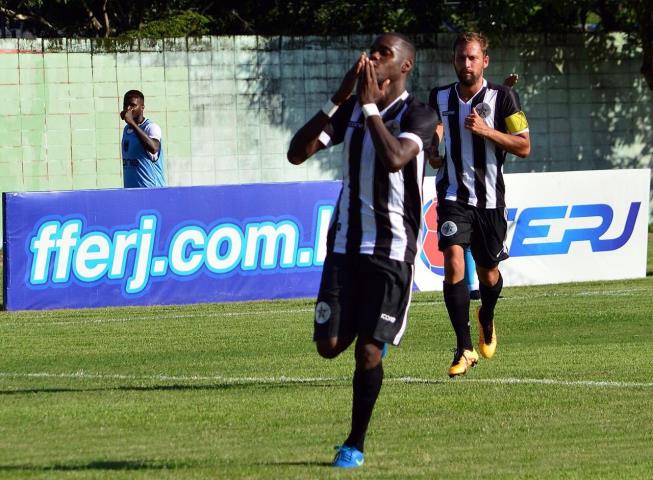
367,385
456,298
489,297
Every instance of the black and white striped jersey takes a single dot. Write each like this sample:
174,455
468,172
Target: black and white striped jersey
378,212
472,172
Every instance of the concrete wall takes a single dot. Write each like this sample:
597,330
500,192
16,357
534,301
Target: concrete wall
229,105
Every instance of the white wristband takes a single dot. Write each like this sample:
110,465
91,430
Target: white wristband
329,108
370,109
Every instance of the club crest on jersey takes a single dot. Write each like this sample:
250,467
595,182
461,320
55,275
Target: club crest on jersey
483,110
448,228
322,313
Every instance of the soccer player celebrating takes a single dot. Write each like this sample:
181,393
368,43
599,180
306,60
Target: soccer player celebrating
372,241
480,122
142,146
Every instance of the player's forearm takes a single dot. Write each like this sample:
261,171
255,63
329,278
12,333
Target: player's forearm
393,153
519,145
439,133
433,157
150,144
306,141
432,153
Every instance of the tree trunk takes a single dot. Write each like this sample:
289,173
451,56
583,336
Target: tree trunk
26,17
107,24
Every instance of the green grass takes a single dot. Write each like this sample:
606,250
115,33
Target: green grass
237,391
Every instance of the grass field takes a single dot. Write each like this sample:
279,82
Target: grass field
237,391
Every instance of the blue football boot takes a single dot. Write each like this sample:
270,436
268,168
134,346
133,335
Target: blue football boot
348,457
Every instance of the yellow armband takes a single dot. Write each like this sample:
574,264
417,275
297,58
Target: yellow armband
517,123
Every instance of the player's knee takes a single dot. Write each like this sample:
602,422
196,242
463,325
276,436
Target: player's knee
454,264
488,276
368,356
327,349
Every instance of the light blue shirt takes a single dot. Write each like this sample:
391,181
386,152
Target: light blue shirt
140,168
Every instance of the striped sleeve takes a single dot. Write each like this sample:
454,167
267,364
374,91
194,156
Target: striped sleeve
418,124
334,131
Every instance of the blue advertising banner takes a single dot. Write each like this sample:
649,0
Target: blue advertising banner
183,245
163,246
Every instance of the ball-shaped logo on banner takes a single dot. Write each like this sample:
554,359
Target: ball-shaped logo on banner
430,255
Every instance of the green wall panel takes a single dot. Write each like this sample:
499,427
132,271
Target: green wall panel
228,106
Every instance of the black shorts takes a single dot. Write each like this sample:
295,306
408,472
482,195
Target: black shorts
482,229
363,295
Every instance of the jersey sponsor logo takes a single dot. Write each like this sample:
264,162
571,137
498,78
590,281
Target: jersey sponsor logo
448,113
448,228
483,110
322,313
388,318
353,124
393,127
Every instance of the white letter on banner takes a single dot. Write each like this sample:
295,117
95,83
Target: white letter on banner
269,237
65,245
41,246
231,235
323,221
92,257
179,262
144,248
123,241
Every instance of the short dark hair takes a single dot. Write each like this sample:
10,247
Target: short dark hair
467,37
134,93
408,45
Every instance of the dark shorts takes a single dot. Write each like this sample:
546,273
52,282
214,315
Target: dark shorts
363,295
482,229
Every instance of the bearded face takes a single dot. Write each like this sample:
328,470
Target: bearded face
469,63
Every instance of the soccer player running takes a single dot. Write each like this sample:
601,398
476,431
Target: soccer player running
481,122
367,277
471,278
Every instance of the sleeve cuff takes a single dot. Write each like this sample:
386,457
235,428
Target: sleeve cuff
414,138
325,139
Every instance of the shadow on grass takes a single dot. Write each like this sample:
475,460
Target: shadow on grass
159,388
295,464
96,465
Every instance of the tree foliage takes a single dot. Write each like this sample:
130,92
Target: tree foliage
178,24
137,18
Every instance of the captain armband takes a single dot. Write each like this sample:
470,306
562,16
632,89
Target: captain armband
517,123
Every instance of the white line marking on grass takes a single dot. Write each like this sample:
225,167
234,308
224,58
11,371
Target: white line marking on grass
537,381
83,375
